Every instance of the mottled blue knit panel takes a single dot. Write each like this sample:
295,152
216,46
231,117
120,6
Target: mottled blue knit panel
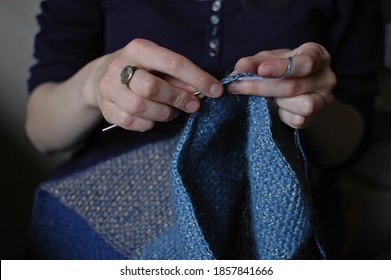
281,214
208,172
227,148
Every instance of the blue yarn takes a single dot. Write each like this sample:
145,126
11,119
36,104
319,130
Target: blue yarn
240,77
214,163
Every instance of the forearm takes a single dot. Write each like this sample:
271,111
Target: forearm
60,115
334,135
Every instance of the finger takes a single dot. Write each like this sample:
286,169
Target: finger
297,66
289,87
177,83
130,103
308,59
114,115
276,68
293,120
304,105
152,56
273,88
156,89
247,64
251,63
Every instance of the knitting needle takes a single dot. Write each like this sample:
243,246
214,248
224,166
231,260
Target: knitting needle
109,128
197,93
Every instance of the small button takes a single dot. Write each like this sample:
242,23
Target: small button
215,30
216,6
214,43
214,52
214,19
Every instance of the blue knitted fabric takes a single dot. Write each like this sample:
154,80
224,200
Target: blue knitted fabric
229,148
231,186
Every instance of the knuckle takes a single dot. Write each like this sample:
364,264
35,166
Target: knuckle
147,86
309,106
177,100
134,123
325,54
136,47
311,45
201,79
126,120
333,79
265,55
135,106
145,126
291,87
316,47
167,114
135,44
243,61
297,121
256,87
309,65
173,62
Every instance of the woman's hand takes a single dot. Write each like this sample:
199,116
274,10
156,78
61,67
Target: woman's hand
300,96
162,85
61,115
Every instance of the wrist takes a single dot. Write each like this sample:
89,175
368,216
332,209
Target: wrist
89,86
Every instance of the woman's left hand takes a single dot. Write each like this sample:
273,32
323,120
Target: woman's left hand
303,93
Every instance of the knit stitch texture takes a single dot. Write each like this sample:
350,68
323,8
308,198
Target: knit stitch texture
228,148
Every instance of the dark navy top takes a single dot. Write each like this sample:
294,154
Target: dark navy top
214,35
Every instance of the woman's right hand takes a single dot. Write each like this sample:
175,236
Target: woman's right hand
163,83
60,115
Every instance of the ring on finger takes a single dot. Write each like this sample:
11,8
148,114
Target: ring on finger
288,68
127,74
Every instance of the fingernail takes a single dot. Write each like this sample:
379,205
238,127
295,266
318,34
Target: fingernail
216,90
192,106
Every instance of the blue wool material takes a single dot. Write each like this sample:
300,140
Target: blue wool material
226,149
231,186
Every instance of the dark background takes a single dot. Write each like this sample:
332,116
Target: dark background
367,186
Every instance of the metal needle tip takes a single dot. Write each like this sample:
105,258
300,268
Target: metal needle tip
109,127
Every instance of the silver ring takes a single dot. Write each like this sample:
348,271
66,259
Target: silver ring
127,74
288,69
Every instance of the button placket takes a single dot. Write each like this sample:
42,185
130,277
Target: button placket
214,43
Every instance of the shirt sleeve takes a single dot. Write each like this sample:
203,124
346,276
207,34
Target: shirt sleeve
70,36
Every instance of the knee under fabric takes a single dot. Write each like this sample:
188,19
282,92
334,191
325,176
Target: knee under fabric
231,186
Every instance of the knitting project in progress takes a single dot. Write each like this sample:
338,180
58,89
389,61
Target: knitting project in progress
231,186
